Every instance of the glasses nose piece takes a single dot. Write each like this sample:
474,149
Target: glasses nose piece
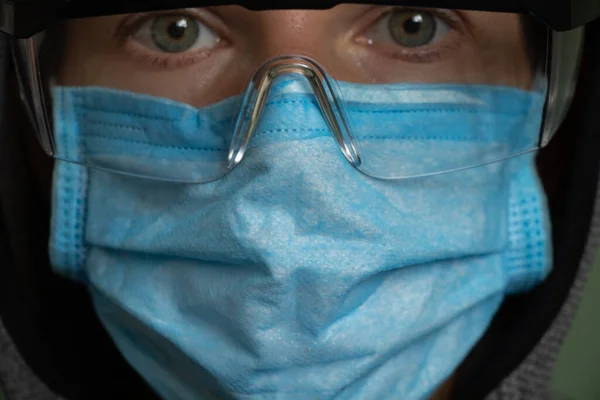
324,90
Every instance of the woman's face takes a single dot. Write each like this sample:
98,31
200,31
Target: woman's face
200,56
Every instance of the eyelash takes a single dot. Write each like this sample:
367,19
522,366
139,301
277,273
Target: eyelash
170,62
428,53
154,59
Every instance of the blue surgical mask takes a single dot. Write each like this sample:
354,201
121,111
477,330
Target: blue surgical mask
295,276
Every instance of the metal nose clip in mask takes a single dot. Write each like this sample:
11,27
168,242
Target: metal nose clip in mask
296,276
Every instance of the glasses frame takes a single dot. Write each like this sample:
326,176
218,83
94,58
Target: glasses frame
563,55
25,18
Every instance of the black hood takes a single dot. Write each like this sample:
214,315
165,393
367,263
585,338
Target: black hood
52,345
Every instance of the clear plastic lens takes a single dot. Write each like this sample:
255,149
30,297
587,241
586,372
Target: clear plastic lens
184,95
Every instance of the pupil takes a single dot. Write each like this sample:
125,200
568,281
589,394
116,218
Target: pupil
413,24
177,29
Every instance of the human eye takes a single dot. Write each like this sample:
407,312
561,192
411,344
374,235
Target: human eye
171,39
416,35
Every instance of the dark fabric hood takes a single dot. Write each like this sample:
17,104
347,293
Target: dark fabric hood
53,347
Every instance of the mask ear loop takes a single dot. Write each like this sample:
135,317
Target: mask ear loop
256,97
563,61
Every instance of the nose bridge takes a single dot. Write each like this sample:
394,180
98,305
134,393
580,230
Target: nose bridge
284,32
321,87
320,35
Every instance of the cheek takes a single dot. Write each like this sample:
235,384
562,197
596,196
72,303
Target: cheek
196,85
508,68
504,49
83,53
514,65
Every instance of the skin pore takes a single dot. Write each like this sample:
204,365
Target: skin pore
121,52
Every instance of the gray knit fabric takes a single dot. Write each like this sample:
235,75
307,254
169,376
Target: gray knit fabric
528,382
531,380
17,380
